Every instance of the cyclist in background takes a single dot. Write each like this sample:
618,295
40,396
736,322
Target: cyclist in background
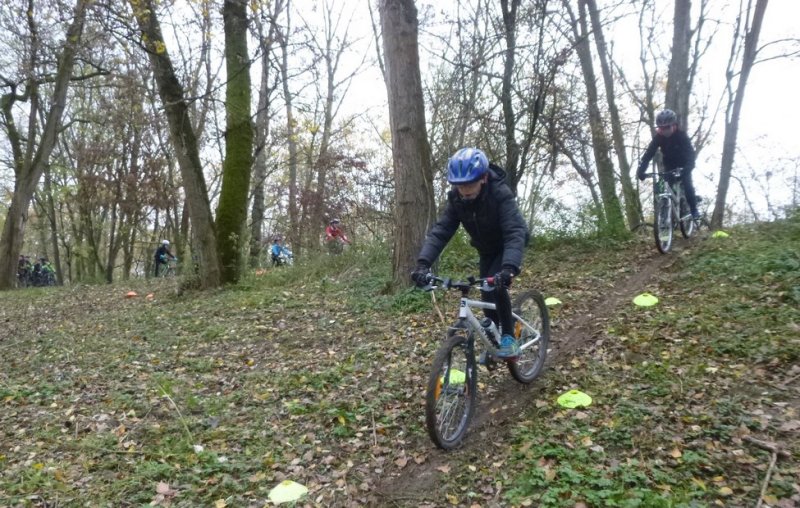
677,150
334,236
482,202
279,253
162,255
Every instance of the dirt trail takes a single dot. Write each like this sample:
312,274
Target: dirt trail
416,484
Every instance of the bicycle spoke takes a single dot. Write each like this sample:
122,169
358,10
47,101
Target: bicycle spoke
450,400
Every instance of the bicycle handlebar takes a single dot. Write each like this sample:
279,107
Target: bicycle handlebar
448,283
673,172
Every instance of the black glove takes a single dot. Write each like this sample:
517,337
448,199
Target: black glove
420,275
640,173
504,276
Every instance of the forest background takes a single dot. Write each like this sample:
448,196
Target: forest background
219,125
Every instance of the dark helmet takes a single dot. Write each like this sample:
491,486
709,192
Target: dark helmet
466,166
666,118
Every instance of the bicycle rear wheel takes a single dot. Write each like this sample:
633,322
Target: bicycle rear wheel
451,395
664,225
533,334
686,220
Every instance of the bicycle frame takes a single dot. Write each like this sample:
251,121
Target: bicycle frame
664,189
465,313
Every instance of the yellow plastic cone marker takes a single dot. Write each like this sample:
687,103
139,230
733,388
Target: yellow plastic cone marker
573,399
719,234
457,377
552,300
287,491
645,300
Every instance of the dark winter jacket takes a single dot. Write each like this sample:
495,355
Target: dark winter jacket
676,149
162,253
492,220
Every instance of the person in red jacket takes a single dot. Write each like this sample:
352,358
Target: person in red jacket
334,236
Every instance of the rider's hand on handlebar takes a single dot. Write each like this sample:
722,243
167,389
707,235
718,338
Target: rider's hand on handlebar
504,276
421,275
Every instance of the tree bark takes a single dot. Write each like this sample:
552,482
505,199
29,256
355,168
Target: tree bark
184,141
232,208
735,107
414,209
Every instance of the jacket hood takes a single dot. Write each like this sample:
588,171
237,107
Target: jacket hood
496,173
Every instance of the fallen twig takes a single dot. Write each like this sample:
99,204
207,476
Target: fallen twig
768,445
436,306
776,450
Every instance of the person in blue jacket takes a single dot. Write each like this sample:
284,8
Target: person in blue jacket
483,203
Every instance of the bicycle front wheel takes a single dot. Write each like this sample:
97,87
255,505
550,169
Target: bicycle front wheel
451,396
664,225
686,220
532,331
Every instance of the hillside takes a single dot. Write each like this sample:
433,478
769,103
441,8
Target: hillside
312,373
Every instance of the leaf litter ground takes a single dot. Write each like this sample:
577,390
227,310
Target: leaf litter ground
214,398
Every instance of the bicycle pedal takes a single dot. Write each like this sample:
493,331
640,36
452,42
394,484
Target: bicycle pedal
487,361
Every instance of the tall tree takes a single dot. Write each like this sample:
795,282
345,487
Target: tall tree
266,40
184,140
31,155
748,29
678,82
614,221
509,116
295,234
232,209
414,207
632,204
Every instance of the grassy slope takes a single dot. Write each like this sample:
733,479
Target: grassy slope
309,373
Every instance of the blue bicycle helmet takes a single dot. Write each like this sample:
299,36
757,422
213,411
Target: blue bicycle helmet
466,166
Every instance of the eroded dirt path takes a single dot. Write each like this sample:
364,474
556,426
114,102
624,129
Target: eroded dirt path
573,333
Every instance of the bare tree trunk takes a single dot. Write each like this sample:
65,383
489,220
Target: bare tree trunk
295,235
414,210
509,117
677,95
184,141
600,145
261,135
633,206
29,168
735,101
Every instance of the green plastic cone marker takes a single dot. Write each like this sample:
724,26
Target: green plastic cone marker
645,300
719,234
287,491
573,399
552,300
457,377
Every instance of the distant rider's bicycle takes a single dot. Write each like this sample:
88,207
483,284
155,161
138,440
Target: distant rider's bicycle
453,382
671,208
168,269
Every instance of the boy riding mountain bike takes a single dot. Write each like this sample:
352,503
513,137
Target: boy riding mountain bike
482,202
677,151
162,257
